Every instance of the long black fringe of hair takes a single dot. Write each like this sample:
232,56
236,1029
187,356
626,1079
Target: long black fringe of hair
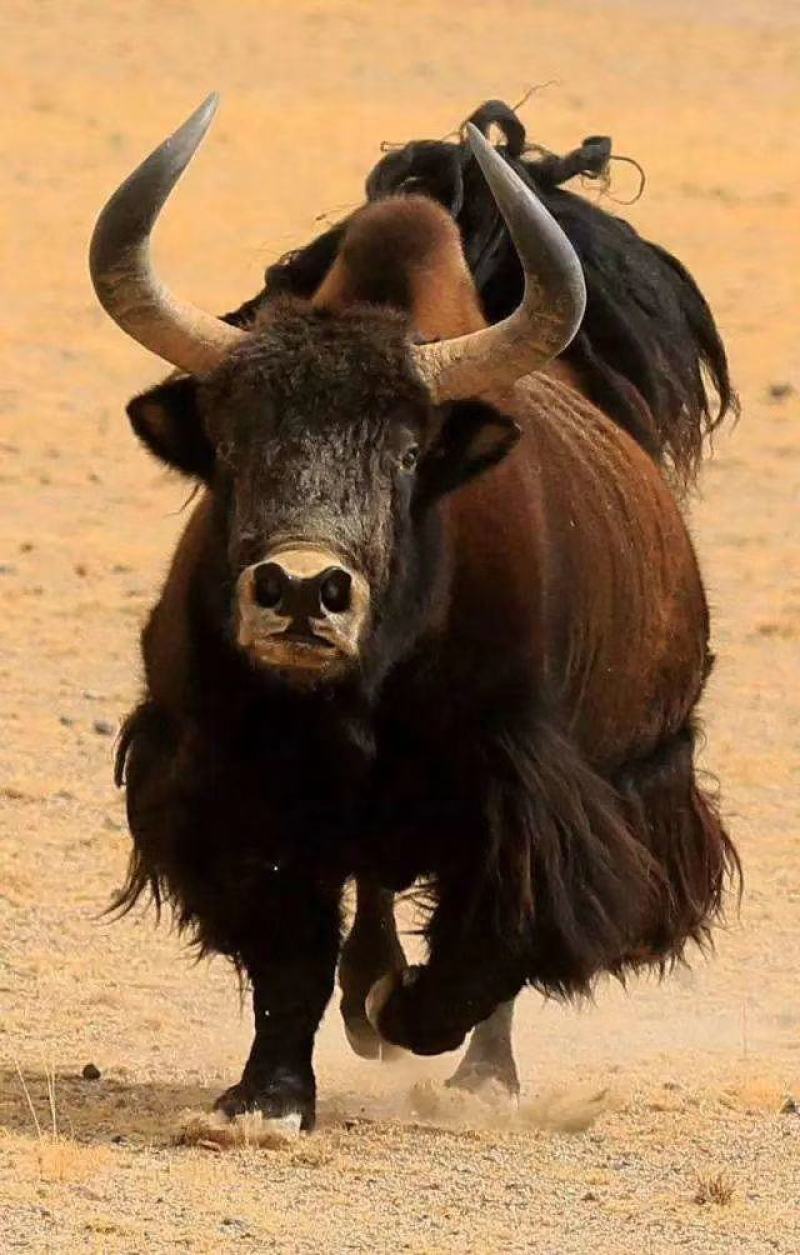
648,352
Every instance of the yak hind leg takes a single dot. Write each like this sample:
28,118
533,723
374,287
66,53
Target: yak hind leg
372,950
489,1057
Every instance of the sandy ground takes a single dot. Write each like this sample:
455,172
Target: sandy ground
652,1121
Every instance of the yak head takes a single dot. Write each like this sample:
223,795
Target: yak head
330,430
326,458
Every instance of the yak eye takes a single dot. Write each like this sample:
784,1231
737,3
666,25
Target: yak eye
225,452
409,459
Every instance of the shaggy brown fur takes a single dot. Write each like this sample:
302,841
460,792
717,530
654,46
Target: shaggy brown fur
519,731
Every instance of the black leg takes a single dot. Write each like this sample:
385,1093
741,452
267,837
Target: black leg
490,1054
471,970
372,950
290,959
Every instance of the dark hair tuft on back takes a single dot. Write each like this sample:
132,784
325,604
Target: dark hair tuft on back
648,351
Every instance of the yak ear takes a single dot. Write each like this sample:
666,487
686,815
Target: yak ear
473,437
167,420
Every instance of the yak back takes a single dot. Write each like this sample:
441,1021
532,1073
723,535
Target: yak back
406,253
648,352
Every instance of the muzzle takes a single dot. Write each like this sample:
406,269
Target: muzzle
303,611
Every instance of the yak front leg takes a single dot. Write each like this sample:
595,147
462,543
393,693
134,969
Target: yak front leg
490,1054
471,970
372,950
290,957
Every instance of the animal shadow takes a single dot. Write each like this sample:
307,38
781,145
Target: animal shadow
102,1110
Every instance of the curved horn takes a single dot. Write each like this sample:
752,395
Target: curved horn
551,309
119,260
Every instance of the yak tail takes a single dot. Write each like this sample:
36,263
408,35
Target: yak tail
600,875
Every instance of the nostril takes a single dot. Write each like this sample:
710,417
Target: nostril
268,585
334,590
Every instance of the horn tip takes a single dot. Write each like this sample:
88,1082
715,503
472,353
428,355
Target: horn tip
477,140
199,121
486,155
211,103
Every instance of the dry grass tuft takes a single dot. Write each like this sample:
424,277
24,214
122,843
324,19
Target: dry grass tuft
213,1131
715,1189
56,1157
754,1095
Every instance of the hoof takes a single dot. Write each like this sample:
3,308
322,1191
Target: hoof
378,996
394,1011
362,1038
284,1106
367,1044
475,1078
368,954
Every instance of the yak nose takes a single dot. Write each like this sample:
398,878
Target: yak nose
302,607
302,596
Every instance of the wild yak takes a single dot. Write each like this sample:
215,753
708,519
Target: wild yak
435,618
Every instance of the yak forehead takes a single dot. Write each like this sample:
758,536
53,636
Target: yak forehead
302,410
314,371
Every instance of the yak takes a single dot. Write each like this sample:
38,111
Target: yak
435,619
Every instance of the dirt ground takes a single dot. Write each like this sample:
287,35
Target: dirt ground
657,1120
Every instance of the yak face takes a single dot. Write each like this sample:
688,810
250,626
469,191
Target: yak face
326,458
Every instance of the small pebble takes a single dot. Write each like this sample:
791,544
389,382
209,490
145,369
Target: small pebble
103,728
67,720
780,391
91,1072
789,1106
